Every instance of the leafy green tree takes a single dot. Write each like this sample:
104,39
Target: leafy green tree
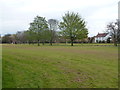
38,27
73,27
46,36
31,36
7,38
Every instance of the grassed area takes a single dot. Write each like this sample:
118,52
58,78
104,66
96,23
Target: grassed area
30,66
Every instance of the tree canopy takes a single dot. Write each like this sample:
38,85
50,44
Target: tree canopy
39,27
73,27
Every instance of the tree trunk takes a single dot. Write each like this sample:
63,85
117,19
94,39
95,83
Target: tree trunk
43,43
51,42
38,42
51,37
33,43
66,41
115,42
29,42
71,42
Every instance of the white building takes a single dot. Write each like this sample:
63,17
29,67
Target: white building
102,37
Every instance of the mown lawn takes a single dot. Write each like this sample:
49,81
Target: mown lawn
30,66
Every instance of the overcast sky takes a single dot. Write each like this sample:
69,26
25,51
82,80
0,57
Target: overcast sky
15,15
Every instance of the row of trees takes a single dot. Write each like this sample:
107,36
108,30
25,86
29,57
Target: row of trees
72,28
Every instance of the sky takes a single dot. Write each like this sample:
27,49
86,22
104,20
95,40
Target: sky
16,15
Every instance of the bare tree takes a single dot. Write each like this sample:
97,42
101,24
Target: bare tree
20,37
53,25
112,28
119,31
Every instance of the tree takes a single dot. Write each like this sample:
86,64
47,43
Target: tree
38,27
13,38
73,27
21,37
7,38
112,28
30,36
119,31
46,36
108,40
53,23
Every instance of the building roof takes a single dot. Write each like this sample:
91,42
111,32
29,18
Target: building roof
101,34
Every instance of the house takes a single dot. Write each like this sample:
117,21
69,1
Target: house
103,37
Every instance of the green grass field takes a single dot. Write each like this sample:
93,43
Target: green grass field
80,66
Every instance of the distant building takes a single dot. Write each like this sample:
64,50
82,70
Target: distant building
102,37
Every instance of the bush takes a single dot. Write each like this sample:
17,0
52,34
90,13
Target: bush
97,41
108,40
103,41
100,41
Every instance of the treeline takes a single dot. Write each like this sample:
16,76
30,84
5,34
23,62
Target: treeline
71,29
